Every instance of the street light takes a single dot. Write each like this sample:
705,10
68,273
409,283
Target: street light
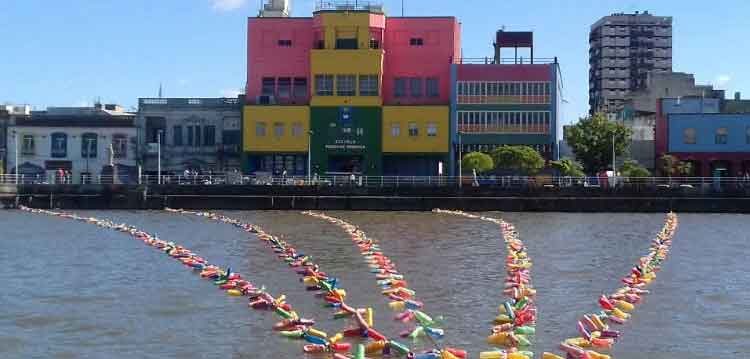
15,144
309,156
158,156
460,162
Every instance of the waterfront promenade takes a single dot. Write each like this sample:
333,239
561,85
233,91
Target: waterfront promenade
392,193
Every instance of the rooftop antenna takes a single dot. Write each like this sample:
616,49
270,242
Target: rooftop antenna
160,90
402,8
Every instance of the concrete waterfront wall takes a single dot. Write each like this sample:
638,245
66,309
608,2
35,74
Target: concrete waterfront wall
377,199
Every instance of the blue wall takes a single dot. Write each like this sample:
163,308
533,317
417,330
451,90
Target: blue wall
690,105
705,126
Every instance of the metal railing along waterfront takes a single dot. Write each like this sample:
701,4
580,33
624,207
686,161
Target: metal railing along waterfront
549,183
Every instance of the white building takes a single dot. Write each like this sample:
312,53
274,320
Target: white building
90,144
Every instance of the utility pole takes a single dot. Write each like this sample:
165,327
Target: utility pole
15,143
158,156
460,162
614,169
309,156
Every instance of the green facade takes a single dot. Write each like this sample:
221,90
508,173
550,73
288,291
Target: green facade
347,139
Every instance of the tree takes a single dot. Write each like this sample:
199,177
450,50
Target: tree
568,168
481,162
633,170
591,141
522,159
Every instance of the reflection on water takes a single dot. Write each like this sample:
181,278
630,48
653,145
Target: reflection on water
76,291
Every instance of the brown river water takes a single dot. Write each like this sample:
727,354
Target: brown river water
74,290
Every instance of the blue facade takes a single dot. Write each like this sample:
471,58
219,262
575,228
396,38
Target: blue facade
690,105
713,133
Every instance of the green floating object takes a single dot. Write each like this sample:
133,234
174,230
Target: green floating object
525,330
399,348
283,313
416,333
522,341
359,353
292,334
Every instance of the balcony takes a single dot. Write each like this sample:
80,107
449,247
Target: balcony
503,100
504,129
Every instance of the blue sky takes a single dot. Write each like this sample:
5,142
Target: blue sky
65,53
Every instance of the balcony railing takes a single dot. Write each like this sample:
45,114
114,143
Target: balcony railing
506,61
349,5
490,129
503,100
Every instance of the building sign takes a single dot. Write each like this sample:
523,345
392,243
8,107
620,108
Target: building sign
515,39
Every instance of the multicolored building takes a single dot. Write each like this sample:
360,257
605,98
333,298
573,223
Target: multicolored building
360,92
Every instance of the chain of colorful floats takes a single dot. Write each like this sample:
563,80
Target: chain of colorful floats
515,325
291,325
394,285
327,287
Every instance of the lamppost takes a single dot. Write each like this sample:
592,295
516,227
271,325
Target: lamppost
309,156
15,144
460,162
614,170
89,141
158,156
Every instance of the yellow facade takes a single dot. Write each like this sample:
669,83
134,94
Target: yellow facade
279,129
356,62
432,124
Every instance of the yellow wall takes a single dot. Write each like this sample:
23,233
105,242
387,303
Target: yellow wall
346,22
421,115
330,61
288,115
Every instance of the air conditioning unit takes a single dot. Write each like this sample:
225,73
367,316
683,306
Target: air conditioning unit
266,100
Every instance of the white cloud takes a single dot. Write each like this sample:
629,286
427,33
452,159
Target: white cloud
227,5
721,81
230,93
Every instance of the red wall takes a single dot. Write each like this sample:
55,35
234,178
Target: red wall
265,58
477,72
433,59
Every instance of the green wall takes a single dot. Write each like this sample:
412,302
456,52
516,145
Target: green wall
330,137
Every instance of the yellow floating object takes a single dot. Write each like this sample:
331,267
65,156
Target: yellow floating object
334,339
311,281
598,322
517,356
624,306
546,355
493,355
499,339
234,292
502,319
375,347
370,314
620,314
397,306
340,293
579,342
447,355
317,333
595,355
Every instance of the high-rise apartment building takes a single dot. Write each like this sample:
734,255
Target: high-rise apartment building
624,48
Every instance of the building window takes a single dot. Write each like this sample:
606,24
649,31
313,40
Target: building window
190,135
197,142
413,129
28,145
268,86
688,136
278,129
415,86
300,88
296,129
177,135
346,44
346,85
285,43
209,135
433,87
324,85
360,131
399,87
285,87
89,144
260,129
120,146
59,145
374,44
431,129
416,41
368,85
721,135
395,129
